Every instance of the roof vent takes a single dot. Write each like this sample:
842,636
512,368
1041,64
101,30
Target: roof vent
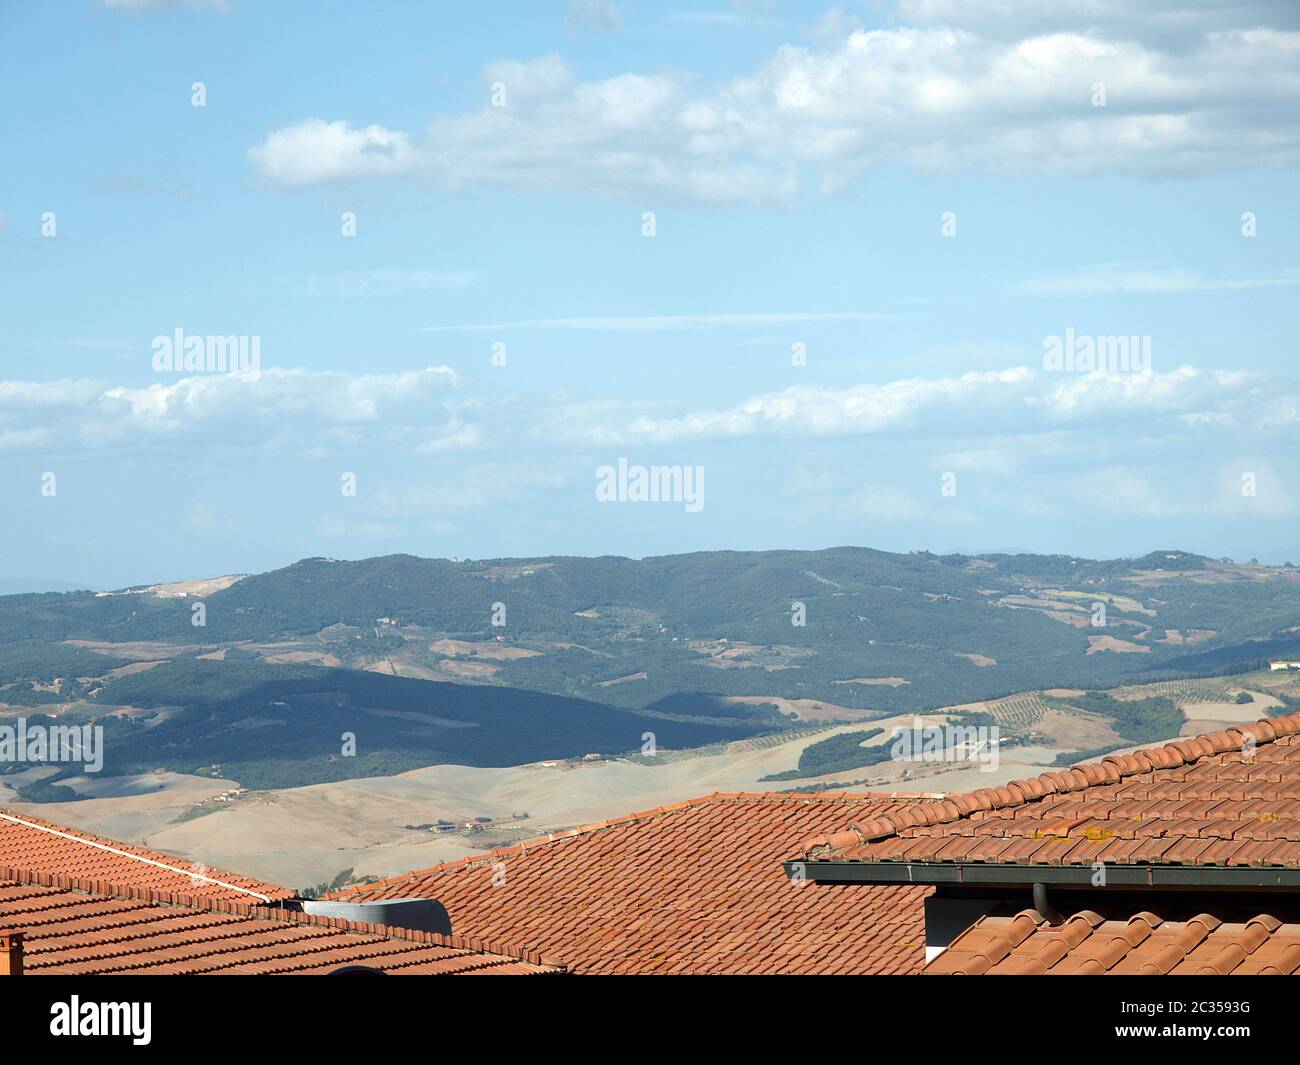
419,915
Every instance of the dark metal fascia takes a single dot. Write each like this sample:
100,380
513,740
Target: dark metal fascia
987,874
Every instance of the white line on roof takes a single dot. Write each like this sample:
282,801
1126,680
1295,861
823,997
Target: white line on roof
135,857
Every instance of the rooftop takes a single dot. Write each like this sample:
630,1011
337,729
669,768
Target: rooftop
79,927
695,887
29,843
1218,937
1224,800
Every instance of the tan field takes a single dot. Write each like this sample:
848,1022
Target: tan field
803,709
139,650
1212,716
182,589
1097,644
305,836
315,658
482,648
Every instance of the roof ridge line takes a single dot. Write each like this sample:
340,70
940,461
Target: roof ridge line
272,911
537,842
67,834
1109,769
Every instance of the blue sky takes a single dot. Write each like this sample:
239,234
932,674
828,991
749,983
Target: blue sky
798,161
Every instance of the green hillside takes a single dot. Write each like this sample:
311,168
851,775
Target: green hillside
870,614
594,649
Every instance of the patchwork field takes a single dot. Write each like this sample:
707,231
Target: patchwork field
618,683
378,826
306,836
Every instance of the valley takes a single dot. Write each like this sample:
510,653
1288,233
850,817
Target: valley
376,826
359,718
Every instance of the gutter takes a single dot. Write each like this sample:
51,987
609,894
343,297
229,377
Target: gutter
988,874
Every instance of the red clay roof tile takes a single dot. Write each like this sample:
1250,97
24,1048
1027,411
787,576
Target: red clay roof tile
1202,800
27,842
1178,939
696,887
71,926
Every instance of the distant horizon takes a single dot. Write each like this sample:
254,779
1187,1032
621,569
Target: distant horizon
37,586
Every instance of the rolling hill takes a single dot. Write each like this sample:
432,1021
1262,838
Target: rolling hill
557,657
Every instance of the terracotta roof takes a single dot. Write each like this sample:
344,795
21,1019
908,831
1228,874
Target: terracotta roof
1178,938
27,842
695,887
1224,799
73,926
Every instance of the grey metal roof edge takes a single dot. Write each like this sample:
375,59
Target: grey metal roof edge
989,873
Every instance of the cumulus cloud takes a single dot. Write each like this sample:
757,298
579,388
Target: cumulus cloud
1182,390
1167,24
1015,402
315,150
944,93
277,405
999,423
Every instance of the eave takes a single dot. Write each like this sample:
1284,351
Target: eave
989,874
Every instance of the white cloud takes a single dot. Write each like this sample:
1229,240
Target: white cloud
806,410
276,406
945,94
1017,403
1185,389
1172,24
316,150
1001,423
